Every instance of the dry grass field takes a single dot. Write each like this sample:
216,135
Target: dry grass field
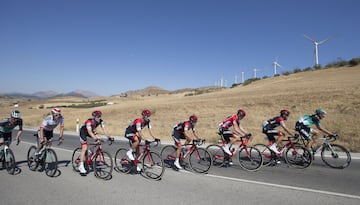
337,90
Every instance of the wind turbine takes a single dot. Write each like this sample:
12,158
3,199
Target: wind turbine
316,44
242,76
276,65
255,70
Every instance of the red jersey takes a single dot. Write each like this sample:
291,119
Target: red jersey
230,121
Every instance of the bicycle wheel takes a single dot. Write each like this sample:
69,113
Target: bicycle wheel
168,155
250,158
298,157
50,162
153,165
200,160
31,159
217,154
335,156
122,162
266,153
10,163
75,159
103,165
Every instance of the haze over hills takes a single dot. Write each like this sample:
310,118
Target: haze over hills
50,94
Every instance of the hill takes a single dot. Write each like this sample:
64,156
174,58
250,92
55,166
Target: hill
337,90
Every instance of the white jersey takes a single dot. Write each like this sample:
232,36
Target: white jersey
49,123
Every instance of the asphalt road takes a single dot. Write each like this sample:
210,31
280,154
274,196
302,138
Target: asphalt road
318,184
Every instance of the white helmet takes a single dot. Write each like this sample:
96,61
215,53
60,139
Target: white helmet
15,114
56,111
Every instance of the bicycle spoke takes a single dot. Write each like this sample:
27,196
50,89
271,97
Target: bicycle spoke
153,165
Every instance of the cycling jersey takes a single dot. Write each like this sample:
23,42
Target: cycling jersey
90,123
6,126
273,123
49,123
135,126
230,121
304,123
179,129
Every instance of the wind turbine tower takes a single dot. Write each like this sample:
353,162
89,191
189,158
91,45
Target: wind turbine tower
316,44
242,76
276,65
255,71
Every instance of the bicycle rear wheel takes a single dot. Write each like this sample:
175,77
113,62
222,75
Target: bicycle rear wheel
298,157
200,160
75,159
266,153
32,163
153,165
10,163
217,154
122,162
103,165
336,156
168,155
50,162
250,158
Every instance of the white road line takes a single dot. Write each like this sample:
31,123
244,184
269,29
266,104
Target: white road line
285,186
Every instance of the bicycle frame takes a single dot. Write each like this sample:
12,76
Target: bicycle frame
243,143
193,147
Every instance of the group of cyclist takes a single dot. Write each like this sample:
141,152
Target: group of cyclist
230,129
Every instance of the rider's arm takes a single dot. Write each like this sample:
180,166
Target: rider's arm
61,132
287,129
323,129
41,134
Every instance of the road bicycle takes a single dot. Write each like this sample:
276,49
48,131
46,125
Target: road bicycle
249,157
151,163
96,159
46,159
7,158
295,155
333,155
198,158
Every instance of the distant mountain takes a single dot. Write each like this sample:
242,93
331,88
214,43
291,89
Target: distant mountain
151,90
50,94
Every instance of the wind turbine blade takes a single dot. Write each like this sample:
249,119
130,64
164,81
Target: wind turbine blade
312,40
321,42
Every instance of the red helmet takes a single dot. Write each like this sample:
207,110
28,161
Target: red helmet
55,111
193,118
96,113
284,112
241,112
146,113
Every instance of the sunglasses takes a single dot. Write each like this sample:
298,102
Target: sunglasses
99,116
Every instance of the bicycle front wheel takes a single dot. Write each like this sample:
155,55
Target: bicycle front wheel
10,163
103,165
266,153
200,160
298,157
75,159
217,154
153,165
50,165
250,158
335,156
168,155
31,158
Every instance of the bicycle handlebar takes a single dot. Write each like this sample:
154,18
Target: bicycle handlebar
156,142
199,142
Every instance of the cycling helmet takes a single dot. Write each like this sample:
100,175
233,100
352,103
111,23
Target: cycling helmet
241,113
284,112
56,111
15,114
320,112
146,113
96,113
193,119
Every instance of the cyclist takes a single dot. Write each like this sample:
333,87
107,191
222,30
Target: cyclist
228,135
134,133
182,131
88,129
275,136
304,123
46,131
8,124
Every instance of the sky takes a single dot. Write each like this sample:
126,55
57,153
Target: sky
113,46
